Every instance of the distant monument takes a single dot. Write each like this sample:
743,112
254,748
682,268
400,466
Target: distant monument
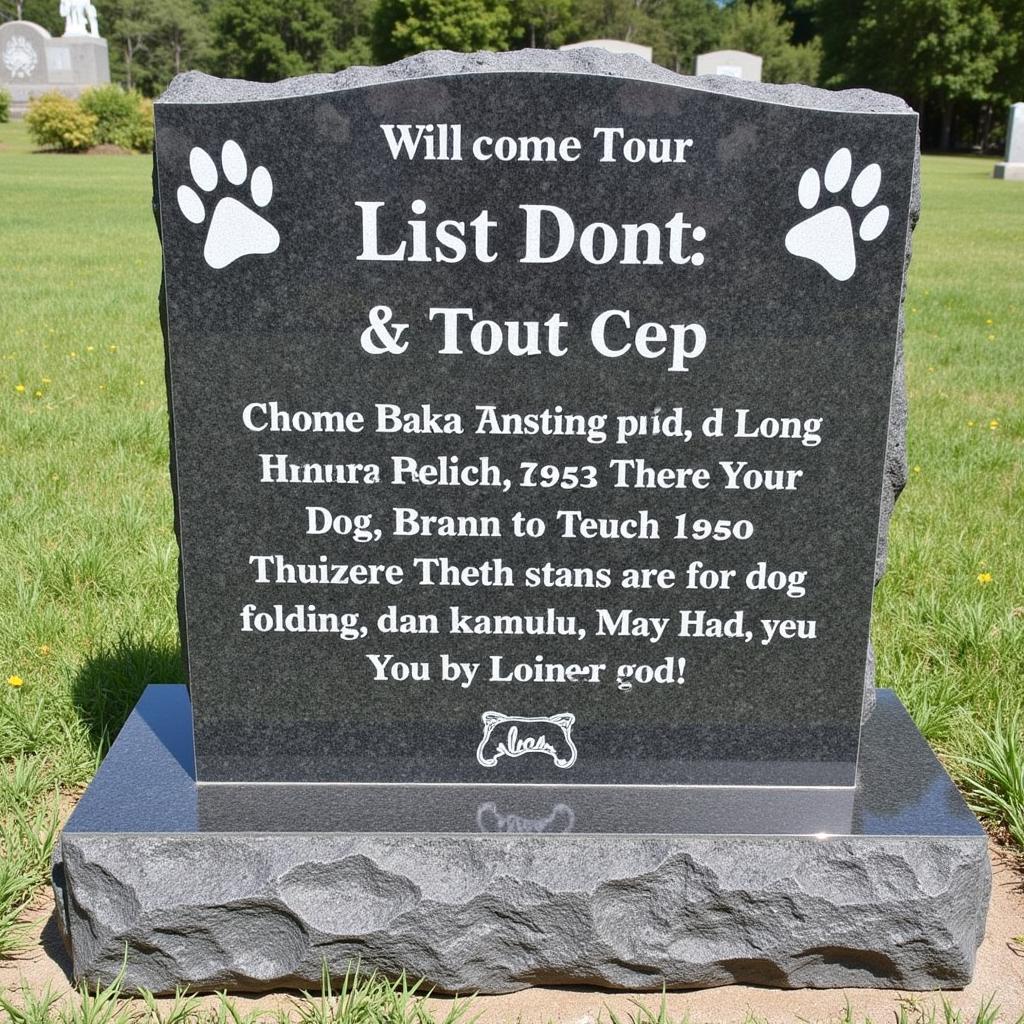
731,63
33,62
1012,167
614,46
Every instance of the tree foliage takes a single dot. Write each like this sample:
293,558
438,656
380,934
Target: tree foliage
266,40
761,27
403,27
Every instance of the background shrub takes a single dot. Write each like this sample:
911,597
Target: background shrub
55,120
120,118
142,140
5,106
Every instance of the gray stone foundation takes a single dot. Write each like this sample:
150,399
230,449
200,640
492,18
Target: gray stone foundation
452,885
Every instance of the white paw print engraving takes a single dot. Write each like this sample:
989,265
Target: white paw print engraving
826,237
235,229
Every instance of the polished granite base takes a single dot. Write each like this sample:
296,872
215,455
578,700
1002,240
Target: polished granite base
490,889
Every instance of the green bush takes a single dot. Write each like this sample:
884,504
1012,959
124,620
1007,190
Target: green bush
54,120
145,129
5,106
121,117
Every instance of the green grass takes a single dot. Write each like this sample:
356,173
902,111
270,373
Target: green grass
86,540
949,614
371,999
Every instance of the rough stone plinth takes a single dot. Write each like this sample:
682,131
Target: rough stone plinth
898,901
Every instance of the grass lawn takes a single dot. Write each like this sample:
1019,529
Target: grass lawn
87,613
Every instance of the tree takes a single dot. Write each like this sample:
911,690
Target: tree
182,35
352,39
266,40
690,27
937,54
42,12
633,21
761,27
403,27
545,23
130,26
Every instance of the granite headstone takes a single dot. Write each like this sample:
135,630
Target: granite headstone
1012,166
573,436
730,63
536,423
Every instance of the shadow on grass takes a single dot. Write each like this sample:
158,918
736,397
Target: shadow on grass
110,683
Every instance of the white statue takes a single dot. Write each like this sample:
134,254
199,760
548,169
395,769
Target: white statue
75,14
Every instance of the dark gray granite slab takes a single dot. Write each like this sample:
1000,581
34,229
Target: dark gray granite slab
147,784
788,336
493,889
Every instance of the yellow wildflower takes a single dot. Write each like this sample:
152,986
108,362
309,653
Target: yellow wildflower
38,394
993,424
19,388
984,578
46,380
15,681
917,469
44,649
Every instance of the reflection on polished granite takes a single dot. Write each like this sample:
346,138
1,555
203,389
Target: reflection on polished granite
147,785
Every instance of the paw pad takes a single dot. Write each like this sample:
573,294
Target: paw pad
827,237
235,229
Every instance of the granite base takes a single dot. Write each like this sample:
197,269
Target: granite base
492,889
1009,172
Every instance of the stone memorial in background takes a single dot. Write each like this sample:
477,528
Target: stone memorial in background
731,63
1012,167
33,62
536,423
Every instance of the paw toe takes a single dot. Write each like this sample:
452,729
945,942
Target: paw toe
837,171
232,159
204,171
809,189
874,223
191,205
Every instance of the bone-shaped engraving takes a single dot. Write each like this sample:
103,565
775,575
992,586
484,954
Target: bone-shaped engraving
515,735
489,819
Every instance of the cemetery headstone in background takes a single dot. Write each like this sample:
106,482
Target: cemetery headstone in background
1012,167
33,62
533,458
731,63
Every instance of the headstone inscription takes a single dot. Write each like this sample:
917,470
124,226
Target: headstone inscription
520,481
1012,167
530,425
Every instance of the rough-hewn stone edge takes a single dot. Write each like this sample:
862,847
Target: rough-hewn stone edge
802,913
196,87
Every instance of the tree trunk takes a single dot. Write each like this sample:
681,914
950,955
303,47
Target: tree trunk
986,127
177,57
533,37
947,126
128,51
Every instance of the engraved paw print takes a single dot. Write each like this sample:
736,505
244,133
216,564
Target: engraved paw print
826,237
235,229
